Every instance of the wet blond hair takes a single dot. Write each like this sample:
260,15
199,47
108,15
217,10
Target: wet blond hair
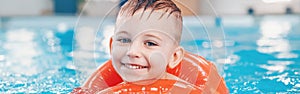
168,7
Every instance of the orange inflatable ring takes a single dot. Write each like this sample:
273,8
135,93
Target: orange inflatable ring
193,69
161,86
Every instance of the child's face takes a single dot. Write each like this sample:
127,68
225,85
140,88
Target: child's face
143,47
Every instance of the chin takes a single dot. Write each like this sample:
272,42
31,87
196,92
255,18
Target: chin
139,79
132,79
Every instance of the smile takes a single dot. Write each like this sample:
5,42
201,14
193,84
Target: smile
134,66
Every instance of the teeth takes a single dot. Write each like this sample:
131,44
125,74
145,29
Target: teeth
133,67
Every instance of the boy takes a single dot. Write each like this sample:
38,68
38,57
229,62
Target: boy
146,40
145,43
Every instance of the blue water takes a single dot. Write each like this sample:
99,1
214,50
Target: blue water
268,56
253,54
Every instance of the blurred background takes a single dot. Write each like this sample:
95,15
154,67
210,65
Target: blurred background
99,7
52,46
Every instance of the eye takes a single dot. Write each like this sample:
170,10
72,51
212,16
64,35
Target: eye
124,40
151,43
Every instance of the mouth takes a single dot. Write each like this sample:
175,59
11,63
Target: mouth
135,66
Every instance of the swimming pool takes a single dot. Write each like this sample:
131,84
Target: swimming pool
259,54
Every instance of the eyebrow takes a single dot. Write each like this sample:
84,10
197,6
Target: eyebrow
122,32
150,35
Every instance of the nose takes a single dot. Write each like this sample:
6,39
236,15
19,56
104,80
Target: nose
134,51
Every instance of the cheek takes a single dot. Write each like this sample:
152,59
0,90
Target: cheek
118,52
158,61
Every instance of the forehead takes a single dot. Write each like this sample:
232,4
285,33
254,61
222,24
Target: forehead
143,21
147,14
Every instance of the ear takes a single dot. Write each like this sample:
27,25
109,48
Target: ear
110,44
176,57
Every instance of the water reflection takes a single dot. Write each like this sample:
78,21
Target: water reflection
273,40
21,49
83,54
107,34
52,41
2,58
90,47
31,62
62,27
276,66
